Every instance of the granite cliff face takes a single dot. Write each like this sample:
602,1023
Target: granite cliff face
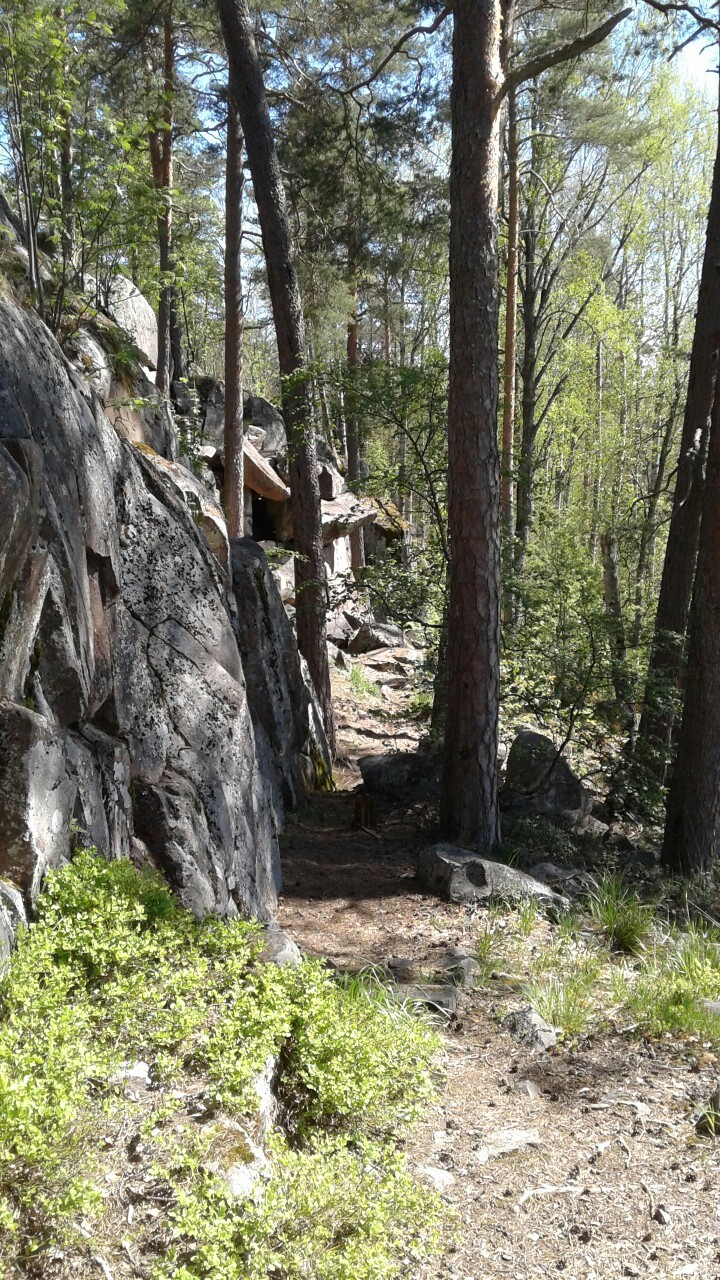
124,715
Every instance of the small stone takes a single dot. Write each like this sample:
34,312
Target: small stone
440,999
661,1215
529,1028
503,1142
279,948
528,1087
135,1148
708,1122
440,1179
131,1071
402,969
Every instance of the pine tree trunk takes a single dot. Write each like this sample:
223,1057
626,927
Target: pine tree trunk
682,545
310,583
469,798
161,160
506,467
692,830
233,490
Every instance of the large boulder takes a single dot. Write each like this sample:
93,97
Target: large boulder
140,414
92,360
375,635
270,439
131,310
12,917
538,779
124,706
282,701
261,477
460,875
200,501
330,481
405,777
344,514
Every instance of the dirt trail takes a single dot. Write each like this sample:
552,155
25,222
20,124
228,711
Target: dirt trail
615,1182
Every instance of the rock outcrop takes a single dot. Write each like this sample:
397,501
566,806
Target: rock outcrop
131,310
124,714
538,779
281,702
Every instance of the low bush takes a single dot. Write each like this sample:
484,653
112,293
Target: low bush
113,970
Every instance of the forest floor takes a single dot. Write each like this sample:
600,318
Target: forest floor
610,1178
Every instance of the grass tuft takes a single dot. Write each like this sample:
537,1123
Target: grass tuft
362,684
567,998
626,922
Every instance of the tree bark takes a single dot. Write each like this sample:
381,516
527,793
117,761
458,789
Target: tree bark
524,508
506,466
616,627
310,584
161,160
676,586
692,830
233,488
352,433
469,798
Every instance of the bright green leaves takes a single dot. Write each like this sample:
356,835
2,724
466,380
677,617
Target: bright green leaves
113,970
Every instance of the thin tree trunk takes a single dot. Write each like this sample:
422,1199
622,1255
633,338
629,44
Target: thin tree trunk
19,141
438,716
649,526
526,464
405,504
469,798
233,489
692,830
599,392
613,610
67,197
506,465
310,583
160,142
357,540
665,664
178,363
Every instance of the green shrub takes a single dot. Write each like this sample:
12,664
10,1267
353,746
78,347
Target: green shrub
329,1211
112,970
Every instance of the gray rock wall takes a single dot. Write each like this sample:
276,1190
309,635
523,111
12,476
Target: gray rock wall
282,701
123,706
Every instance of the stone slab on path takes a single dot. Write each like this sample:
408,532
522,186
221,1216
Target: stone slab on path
461,875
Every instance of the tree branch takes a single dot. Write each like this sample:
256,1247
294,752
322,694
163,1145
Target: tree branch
408,35
535,66
705,23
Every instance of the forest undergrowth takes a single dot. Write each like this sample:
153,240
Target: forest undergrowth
133,1042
